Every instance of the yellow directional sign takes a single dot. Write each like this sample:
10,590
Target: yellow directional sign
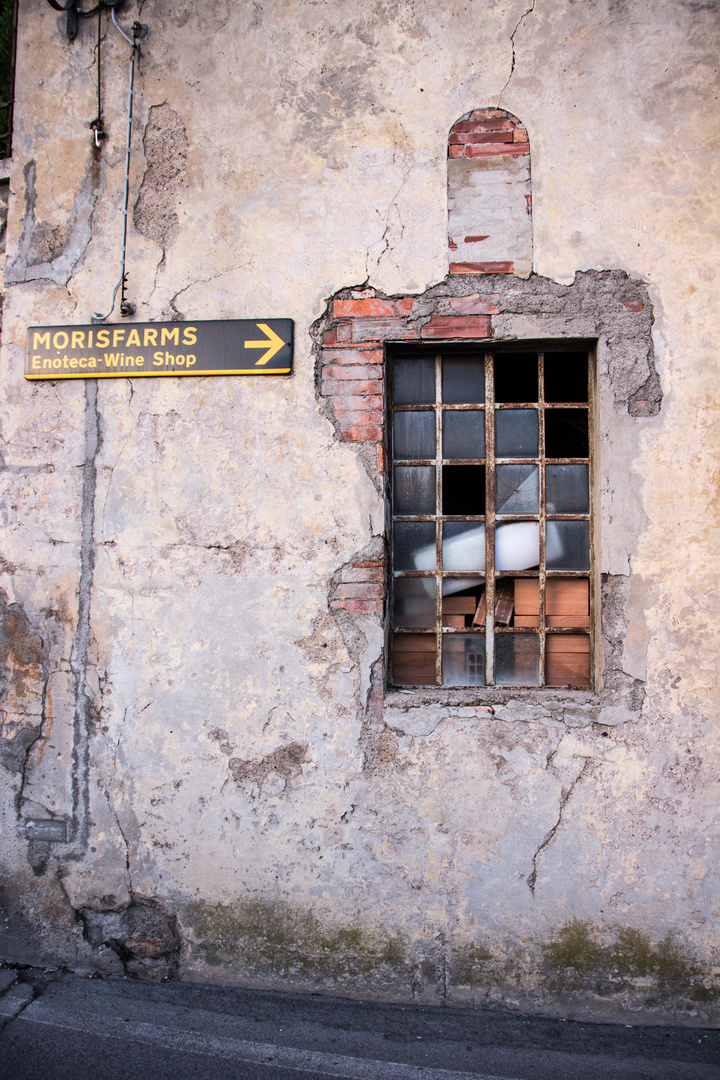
137,350
272,343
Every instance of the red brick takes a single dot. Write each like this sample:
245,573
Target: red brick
485,125
489,114
342,389
381,329
371,562
456,151
355,372
482,268
632,305
477,304
474,239
473,138
495,149
358,417
365,573
351,402
343,332
351,354
458,326
362,434
520,135
349,309
358,591
330,337
381,458
452,245
405,305
359,607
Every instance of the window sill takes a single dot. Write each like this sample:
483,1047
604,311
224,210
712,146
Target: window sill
489,697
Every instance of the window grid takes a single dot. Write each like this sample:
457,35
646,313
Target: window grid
490,519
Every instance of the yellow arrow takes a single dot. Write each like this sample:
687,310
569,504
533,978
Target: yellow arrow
274,342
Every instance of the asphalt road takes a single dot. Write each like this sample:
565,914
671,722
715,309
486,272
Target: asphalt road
76,1028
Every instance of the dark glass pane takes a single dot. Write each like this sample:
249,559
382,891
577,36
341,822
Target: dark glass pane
414,489
516,377
566,433
414,545
414,602
463,381
517,659
413,435
463,660
517,489
463,489
516,433
567,545
464,434
463,546
413,659
414,381
566,376
566,489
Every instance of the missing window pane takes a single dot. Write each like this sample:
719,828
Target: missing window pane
566,433
566,376
516,377
463,490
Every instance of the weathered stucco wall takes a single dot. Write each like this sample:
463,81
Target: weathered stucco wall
183,683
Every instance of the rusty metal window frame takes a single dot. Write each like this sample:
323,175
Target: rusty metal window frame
7,107
490,631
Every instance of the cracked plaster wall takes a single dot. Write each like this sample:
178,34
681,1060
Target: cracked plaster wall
255,808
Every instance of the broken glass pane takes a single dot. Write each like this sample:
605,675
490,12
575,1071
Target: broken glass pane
413,436
517,489
414,489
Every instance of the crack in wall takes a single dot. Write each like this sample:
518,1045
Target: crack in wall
565,795
512,43
79,659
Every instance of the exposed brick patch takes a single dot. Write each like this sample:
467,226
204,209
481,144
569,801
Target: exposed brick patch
359,588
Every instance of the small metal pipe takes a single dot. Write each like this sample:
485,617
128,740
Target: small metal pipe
96,316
